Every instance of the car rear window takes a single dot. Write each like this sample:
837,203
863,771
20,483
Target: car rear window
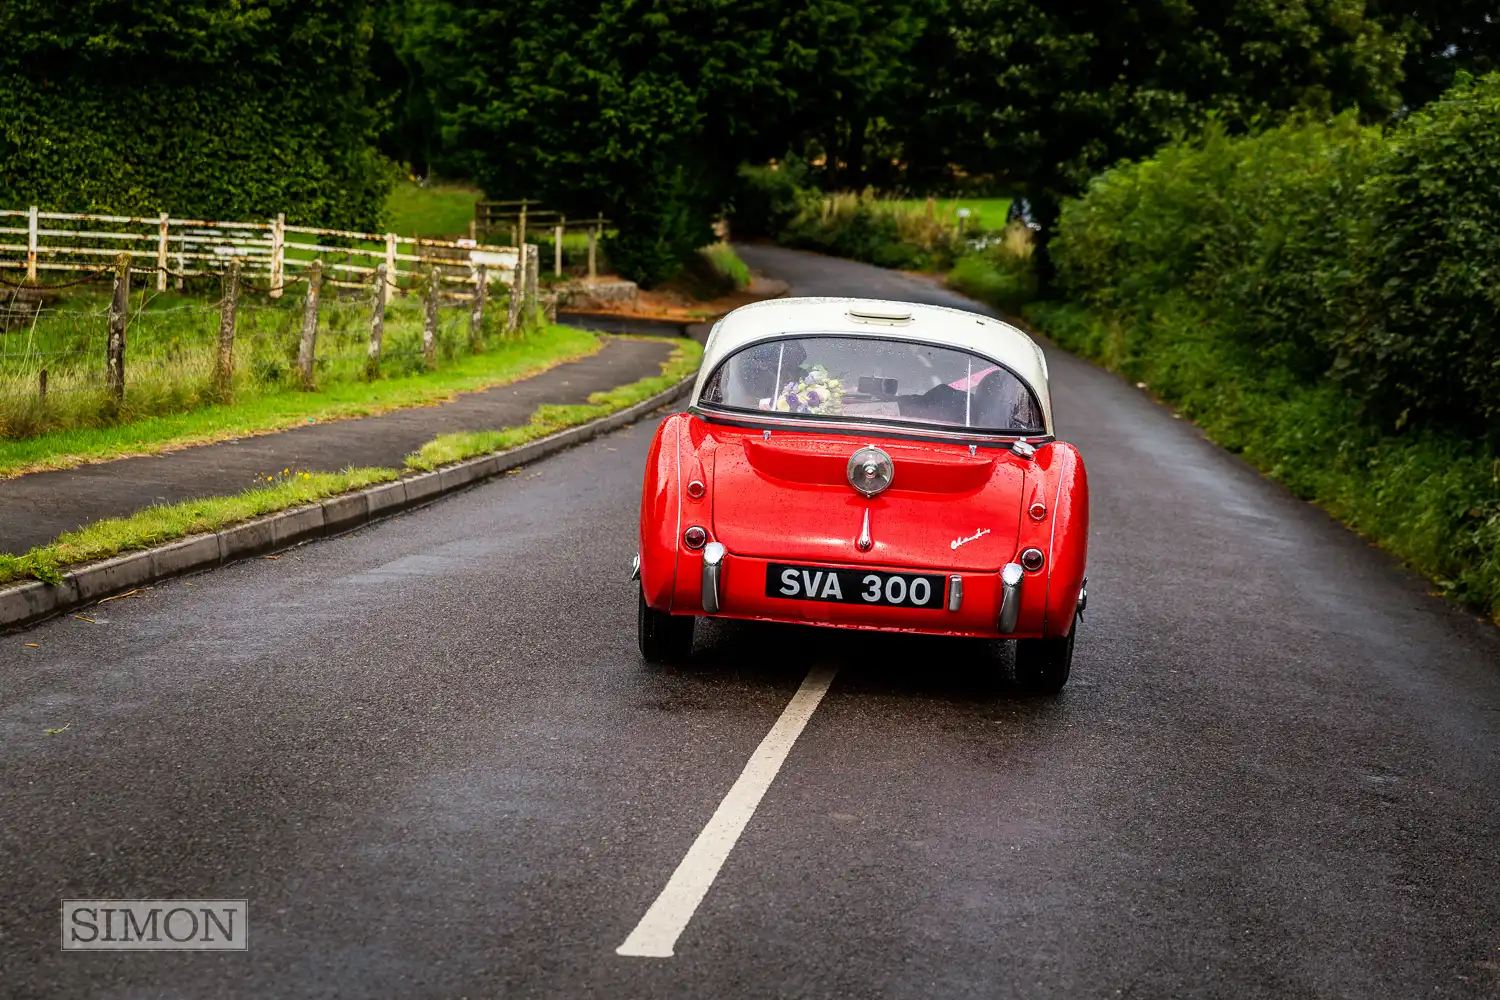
868,379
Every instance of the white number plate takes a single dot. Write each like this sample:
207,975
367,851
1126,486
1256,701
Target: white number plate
854,586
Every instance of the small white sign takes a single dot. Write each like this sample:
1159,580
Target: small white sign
490,258
155,924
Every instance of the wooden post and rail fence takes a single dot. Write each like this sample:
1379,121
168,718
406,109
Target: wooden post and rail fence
272,250
515,216
233,251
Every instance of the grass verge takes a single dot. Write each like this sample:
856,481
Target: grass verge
162,524
503,362
1004,281
1431,499
158,525
550,418
722,258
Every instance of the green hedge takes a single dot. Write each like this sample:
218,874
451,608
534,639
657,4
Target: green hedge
1328,248
208,110
1322,298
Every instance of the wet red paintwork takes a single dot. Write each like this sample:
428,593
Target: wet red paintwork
787,499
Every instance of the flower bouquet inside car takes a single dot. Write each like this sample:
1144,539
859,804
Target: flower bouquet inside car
815,392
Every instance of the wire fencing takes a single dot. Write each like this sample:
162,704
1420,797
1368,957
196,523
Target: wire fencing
118,349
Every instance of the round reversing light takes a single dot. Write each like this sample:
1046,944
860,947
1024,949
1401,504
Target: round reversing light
1032,559
870,470
694,537
695,489
1038,510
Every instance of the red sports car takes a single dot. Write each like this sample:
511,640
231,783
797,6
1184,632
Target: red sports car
871,465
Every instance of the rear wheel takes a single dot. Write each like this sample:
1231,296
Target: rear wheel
1042,665
663,638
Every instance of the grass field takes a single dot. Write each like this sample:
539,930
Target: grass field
985,213
436,211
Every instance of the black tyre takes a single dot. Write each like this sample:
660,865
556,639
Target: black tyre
663,638
1042,665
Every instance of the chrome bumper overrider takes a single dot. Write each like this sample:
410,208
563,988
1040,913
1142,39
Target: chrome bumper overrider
1010,596
713,562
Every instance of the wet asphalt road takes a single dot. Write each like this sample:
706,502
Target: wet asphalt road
428,755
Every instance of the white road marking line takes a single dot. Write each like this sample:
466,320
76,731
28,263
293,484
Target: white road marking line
668,917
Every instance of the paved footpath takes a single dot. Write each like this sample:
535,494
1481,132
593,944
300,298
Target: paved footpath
36,508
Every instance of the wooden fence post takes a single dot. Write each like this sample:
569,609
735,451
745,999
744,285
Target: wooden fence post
161,256
533,276
593,254
557,246
517,285
41,389
522,238
476,314
392,272
224,361
306,350
377,324
31,228
278,254
430,318
119,304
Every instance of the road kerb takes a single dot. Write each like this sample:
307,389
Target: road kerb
26,603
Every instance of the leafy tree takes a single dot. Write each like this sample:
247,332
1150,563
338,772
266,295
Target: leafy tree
196,107
1443,38
639,108
644,108
1048,95
408,126
852,76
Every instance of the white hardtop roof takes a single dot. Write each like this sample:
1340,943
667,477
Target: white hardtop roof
850,317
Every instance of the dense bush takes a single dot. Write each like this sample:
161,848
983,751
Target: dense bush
766,199
1322,298
1426,336
1326,248
1001,272
202,109
659,225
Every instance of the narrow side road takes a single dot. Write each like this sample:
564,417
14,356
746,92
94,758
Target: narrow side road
429,756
